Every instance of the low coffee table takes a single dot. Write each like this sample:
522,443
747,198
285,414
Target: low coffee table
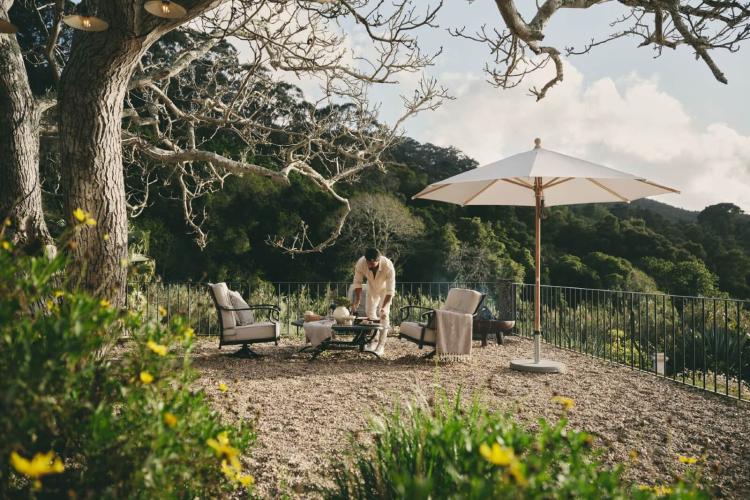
345,337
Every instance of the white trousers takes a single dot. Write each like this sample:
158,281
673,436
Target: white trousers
374,303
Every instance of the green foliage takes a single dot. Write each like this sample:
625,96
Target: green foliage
571,269
690,277
638,281
476,252
381,221
123,420
449,451
341,301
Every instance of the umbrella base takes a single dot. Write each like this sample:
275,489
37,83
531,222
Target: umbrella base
543,366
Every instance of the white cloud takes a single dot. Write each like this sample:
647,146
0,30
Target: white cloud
630,124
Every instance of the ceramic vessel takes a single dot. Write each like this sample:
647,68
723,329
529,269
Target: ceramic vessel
341,314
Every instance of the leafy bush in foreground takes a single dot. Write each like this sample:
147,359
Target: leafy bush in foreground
82,418
448,451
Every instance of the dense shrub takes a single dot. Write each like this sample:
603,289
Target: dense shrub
83,417
448,451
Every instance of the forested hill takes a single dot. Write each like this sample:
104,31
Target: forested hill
644,246
669,212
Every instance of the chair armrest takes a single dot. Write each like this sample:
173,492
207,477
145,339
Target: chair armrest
273,310
405,312
428,319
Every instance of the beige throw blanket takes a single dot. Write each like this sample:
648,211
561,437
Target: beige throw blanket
318,331
453,342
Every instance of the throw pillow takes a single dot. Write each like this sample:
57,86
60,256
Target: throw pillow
243,317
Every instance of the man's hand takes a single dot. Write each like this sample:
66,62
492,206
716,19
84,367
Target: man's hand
353,307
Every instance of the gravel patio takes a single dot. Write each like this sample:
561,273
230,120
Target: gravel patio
306,411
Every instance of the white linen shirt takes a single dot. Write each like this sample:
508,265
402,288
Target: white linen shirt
379,285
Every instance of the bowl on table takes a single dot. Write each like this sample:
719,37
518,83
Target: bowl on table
346,320
311,316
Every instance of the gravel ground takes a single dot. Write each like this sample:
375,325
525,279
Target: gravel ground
306,411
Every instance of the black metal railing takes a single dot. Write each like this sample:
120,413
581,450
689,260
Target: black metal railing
697,341
192,301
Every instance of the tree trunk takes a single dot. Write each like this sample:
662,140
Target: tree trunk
20,189
90,98
90,101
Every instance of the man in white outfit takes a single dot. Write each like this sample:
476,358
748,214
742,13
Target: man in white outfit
381,287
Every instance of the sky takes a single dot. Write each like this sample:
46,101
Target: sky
666,119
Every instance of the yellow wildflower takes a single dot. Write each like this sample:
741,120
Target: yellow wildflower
566,403
223,449
245,479
662,491
162,311
233,472
223,387
79,215
104,303
497,455
58,293
516,471
41,465
105,237
159,349
223,437
7,222
5,245
90,221
687,460
227,469
644,487
146,377
50,305
170,419
188,332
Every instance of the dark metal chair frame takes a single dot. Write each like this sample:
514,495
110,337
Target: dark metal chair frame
274,314
501,323
428,322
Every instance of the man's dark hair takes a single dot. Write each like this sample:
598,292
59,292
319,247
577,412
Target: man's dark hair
372,253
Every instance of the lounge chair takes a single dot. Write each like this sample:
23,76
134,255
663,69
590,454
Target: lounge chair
417,324
238,324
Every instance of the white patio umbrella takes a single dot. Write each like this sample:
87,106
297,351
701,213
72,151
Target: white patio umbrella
540,178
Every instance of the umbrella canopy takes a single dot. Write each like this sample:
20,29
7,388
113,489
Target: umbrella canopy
539,178
565,180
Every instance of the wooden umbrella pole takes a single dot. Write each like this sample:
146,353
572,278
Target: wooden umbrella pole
539,194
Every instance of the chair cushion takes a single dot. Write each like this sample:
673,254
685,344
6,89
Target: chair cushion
221,295
241,317
414,330
462,300
256,331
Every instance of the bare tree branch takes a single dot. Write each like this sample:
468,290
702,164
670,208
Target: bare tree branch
703,25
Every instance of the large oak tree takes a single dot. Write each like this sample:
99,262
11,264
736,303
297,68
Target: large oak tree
96,74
